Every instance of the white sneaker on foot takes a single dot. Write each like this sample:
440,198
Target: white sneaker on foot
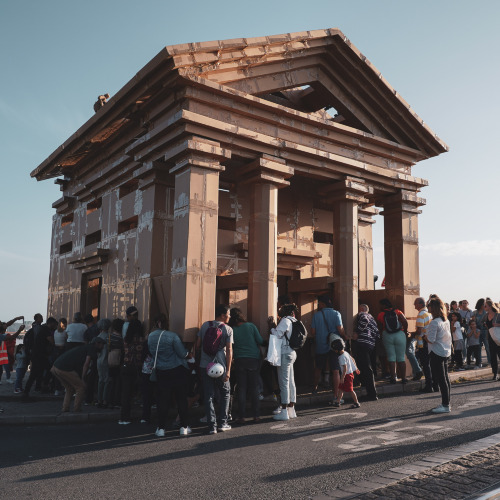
291,412
277,411
441,409
282,415
160,432
184,431
224,427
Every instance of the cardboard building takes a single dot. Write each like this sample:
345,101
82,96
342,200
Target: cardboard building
236,170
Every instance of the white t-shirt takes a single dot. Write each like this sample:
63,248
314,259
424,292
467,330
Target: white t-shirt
457,334
439,337
75,332
345,359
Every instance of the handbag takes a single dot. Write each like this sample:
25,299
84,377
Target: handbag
153,377
495,331
114,355
274,350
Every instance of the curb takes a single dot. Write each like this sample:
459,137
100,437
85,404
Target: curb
396,474
383,389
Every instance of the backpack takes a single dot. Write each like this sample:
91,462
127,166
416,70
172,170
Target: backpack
391,321
298,336
212,339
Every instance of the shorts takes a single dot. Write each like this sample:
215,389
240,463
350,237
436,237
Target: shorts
347,385
321,361
395,346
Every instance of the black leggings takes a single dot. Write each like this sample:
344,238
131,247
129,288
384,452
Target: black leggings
439,367
494,354
172,381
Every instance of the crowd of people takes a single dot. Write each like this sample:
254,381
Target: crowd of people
114,363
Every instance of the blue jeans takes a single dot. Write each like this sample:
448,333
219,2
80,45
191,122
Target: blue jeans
20,373
210,386
286,379
483,340
410,354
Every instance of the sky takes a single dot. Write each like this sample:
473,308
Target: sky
57,56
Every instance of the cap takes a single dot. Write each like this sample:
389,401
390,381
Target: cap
131,310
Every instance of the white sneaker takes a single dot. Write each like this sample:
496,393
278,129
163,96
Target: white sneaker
184,431
441,409
291,412
277,411
282,415
261,397
224,427
160,432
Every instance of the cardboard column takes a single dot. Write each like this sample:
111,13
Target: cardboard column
194,248
346,196
402,280
262,254
266,175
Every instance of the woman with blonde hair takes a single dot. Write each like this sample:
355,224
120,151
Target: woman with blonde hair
492,319
438,338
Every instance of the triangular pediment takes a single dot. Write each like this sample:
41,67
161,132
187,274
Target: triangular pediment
318,72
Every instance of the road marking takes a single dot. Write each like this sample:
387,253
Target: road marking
484,400
318,422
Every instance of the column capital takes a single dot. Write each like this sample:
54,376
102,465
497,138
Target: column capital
197,152
366,213
267,170
403,200
348,189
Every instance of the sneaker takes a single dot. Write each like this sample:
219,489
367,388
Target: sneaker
282,415
212,431
418,376
160,432
261,397
335,404
124,422
195,405
224,427
441,409
203,420
356,405
277,411
10,381
56,393
185,431
143,421
17,391
291,412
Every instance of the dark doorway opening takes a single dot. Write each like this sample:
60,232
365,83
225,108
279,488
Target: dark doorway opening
91,294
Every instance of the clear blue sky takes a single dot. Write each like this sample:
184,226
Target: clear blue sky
442,56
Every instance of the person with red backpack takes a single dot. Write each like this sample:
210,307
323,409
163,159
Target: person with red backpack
395,327
215,339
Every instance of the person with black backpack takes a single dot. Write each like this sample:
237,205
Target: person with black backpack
293,335
395,332
215,339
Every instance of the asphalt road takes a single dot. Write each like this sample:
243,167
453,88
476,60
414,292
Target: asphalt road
320,450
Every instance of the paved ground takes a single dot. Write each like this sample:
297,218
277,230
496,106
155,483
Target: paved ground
312,456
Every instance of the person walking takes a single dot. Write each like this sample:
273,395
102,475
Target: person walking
438,337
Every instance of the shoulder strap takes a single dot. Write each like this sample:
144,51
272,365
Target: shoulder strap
324,319
157,345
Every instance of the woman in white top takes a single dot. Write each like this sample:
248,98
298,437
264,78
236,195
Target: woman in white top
439,343
286,378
